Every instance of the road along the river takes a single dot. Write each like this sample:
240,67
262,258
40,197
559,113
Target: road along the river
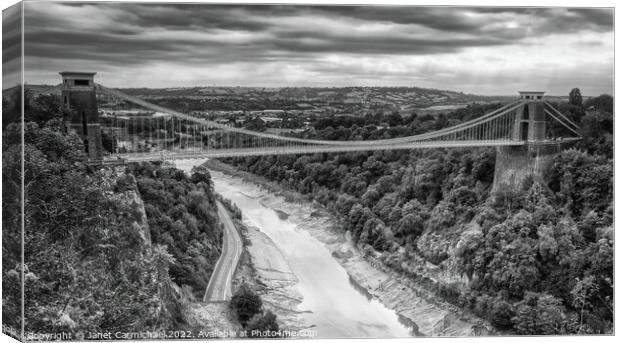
219,288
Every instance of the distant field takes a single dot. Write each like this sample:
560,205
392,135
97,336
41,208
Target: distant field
438,108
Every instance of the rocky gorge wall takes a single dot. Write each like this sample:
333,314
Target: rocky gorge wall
515,164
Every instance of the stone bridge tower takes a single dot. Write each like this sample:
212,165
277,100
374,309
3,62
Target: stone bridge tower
514,164
530,124
79,98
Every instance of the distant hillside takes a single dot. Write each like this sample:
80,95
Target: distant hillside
388,94
44,89
340,99
402,99
34,89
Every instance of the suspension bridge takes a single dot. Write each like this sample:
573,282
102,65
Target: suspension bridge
144,131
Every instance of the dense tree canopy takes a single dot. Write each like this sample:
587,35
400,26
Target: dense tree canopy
181,215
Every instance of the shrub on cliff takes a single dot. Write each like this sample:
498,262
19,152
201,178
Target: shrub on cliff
125,182
266,322
501,314
245,304
449,292
540,314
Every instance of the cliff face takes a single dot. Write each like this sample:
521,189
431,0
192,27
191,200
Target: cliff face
172,301
132,199
513,165
123,189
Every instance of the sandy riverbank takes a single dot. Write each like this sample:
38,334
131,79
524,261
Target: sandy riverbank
432,317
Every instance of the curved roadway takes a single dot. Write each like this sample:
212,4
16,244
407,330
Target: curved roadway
219,288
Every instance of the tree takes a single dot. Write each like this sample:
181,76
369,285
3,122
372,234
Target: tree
575,103
263,323
466,248
582,181
201,174
539,314
384,207
506,197
575,98
353,185
441,121
373,228
502,313
11,106
46,107
374,166
107,142
483,166
344,203
547,245
245,303
581,293
410,226
255,123
371,196
394,119
535,197
443,216
358,216
597,133
603,103
395,215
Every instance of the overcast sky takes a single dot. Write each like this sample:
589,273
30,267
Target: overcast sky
475,50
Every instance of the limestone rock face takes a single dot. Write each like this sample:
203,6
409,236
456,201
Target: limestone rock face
124,190
138,213
514,164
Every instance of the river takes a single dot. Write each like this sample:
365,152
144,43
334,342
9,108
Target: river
333,304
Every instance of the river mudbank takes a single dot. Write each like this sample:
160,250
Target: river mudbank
417,307
265,271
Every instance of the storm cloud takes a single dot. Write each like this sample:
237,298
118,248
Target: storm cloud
160,45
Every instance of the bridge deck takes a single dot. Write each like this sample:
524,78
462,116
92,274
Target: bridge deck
283,150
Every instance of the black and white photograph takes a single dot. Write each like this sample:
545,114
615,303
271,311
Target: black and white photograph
231,170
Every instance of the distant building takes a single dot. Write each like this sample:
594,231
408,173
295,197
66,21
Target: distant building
270,119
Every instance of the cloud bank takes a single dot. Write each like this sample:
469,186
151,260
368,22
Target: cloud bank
479,50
